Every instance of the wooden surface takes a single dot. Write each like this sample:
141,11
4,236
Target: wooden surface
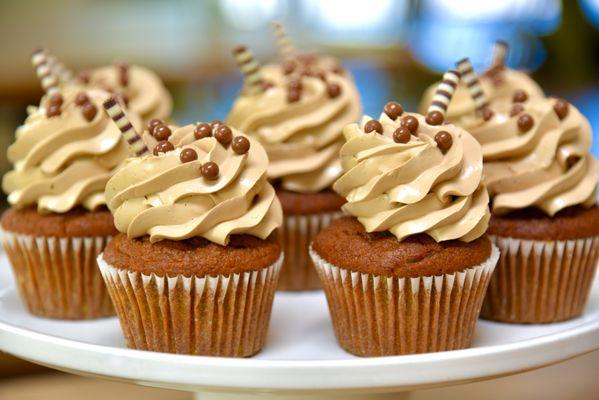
575,379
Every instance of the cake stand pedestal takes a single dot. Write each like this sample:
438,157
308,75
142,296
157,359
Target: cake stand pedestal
301,358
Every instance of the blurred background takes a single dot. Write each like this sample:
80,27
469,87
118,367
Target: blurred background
394,48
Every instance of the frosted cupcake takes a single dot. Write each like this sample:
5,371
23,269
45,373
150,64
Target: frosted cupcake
542,181
141,89
298,118
196,247
499,83
63,155
407,271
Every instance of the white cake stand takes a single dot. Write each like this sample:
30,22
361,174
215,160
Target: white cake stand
301,358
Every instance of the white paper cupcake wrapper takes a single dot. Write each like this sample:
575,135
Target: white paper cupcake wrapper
380,316
57,277
225,315
541,281
295,236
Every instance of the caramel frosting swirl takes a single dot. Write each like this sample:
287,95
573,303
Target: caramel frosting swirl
498,86
302,138
411,188
165,198
547,166
64,161
144,91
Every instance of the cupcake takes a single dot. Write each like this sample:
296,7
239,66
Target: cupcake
195,267
141,89
542,182
499,84
58,223
407,270
298,116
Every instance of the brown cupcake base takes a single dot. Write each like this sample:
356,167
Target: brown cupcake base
377,315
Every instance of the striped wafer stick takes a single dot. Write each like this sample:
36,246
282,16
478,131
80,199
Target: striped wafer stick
137,146
500,52
60,70
471,80
44,72
250,69
444,92
283,41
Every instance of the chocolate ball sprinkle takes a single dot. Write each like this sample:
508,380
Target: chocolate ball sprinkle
295,84
123,72
188,155
373,125
57,99
223,134
393,110
288,67
53,110
161,132
333,90
561,108
293,95
516,109
444,141
202,130
240,145
81,99
525,122
520,96
487,113
216,123
154,122
410,122
89,111
571,161
402,135
163,147
434,118
210,171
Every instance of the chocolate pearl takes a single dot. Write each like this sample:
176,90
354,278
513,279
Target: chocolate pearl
202,130
57,99
402,135
241,145
188,155
161,132
53,110
224,135
288,67
210,170
525,122
216,123
487,113
89,110
561,108
154,122
393,110
516,109
123,69
293,95
295,84
373,125
84,77
163,147
410,122
333,90
434,118
444,141
81,99
520,96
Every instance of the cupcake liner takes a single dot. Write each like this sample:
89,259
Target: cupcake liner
541,281
224,315
57,277
381,316
295,236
